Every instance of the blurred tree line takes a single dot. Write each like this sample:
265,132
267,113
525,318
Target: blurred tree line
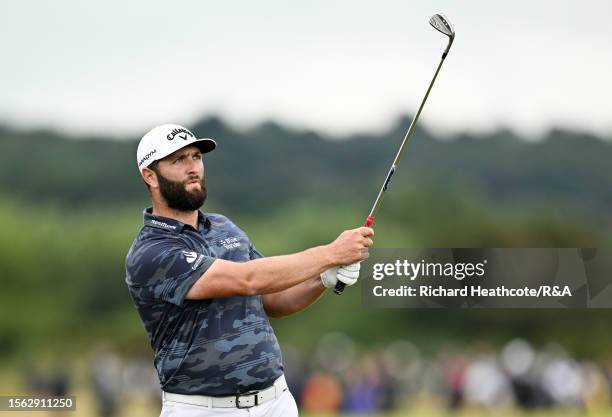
264,168
70,207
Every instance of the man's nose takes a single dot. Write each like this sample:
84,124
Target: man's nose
193,166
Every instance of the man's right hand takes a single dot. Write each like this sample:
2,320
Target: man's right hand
351,246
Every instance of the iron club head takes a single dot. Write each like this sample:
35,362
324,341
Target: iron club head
441,24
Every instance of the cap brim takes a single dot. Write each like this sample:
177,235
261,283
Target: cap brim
205,145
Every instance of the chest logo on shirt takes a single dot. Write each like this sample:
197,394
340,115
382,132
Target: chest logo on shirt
230,243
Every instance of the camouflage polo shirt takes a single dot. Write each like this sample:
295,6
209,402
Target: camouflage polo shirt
218,346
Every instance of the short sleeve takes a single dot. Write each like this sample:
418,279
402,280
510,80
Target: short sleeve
164,271
254,253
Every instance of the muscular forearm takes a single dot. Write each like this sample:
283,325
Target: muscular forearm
293,299
278,273
260,276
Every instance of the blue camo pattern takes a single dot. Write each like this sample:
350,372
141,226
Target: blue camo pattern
212,347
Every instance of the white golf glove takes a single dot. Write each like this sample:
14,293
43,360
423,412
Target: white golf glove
347,274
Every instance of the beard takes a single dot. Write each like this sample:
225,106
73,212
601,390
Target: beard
177,197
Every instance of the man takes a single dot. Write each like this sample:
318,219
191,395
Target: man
204,293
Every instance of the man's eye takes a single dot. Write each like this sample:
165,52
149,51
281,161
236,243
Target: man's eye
198,156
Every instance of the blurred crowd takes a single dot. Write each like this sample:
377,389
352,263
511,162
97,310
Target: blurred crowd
400,376
340,377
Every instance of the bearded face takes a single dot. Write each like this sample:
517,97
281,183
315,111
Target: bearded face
187,195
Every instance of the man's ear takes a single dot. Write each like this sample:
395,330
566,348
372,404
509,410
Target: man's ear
150,177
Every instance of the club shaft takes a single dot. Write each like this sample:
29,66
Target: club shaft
402,148
339,288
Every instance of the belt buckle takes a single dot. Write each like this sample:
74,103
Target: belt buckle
247,394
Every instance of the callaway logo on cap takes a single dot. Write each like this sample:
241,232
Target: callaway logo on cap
163,140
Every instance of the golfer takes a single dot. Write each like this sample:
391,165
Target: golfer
204,293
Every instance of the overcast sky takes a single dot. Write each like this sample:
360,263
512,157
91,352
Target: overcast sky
121,67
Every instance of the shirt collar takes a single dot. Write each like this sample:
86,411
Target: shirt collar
169,224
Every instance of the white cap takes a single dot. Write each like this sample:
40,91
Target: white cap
163,140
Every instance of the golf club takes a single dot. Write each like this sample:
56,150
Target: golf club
441,24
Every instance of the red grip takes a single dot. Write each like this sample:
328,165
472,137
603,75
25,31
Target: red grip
369,221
